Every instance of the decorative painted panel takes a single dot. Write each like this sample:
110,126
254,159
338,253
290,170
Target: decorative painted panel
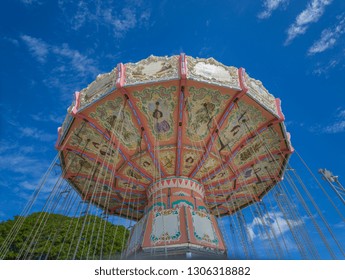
78,164
268,167
267,140
209,165
210,70
103,84
190,159
259,93
243,119
203,229
223,173
88,140
117,118
202,106
131,173
90,187
166,226
224,187
167,159
157,104
144,161
152,69
128,186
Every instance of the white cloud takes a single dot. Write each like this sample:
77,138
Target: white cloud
81,16
42,117
270,6
81,63
336,127
69,70
277,226
105,14
324,69
20,164
37,134
48,185
126,21
311,14
22,167
38,48
328,38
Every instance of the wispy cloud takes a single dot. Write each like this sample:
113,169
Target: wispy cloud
270,6
79,62
32,185
69,69
38,48
312,13
328,37
325,68
47,117
105,14
336,126
37,134
21,170
21,164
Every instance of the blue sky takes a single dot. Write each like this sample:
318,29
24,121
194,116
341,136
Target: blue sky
50,49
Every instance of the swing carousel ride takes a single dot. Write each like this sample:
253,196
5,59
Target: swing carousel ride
172,143
175,145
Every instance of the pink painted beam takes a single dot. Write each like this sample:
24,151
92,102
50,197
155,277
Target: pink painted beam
120,81
247,140
76,106
57,144
115,143
221,122
183,78
264,179
246,166
95,179
112,170
107,183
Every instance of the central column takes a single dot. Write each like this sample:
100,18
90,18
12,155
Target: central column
177,224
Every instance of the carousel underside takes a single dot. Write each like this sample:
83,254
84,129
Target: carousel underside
173,142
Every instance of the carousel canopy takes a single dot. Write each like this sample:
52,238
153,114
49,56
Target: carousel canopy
171,118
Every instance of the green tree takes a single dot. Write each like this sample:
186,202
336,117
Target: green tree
53,236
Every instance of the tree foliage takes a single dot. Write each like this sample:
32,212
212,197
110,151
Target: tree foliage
54,236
